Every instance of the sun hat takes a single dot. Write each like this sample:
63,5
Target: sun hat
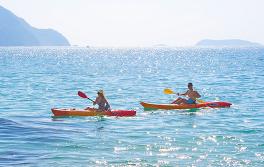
100,91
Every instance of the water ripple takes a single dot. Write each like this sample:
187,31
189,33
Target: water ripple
33,80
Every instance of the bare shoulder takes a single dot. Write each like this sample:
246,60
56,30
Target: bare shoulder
197,94
196,91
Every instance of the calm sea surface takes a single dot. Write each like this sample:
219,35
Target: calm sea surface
34,80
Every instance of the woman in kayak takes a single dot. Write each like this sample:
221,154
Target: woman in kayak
101,101
190,93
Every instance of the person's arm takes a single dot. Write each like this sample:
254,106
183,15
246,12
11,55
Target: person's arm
197,94
183,94
107,103
95,102
108,107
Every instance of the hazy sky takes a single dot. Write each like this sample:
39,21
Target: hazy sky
144,22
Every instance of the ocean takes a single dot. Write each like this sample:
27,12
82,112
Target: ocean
35,79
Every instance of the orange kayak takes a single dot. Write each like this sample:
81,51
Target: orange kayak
92,112
185,106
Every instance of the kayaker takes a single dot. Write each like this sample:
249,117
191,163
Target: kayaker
191,95
101,101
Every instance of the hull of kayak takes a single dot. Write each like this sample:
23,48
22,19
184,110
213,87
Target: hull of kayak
185,106
61,112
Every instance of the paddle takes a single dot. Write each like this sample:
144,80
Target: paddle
169,91
83,95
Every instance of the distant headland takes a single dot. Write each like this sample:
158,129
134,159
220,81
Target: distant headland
228,43
15,31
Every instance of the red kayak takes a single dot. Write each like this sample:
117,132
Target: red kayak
92,112
185,106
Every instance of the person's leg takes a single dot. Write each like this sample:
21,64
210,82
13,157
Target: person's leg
184,101
177,101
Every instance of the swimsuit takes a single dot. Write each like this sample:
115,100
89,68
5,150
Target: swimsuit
103,106
190,101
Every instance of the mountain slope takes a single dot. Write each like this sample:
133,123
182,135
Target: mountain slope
228,42
15,31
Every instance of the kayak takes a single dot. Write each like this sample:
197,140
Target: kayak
91,112
185,106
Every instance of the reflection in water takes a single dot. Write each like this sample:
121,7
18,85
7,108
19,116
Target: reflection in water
44,78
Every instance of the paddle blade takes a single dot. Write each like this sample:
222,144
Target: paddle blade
82,95
168,91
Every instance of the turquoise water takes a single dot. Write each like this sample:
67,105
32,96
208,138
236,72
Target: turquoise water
34,80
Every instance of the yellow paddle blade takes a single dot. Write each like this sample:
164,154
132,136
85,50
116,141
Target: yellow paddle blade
168,91
200,101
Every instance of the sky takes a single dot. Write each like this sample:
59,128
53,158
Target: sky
140,23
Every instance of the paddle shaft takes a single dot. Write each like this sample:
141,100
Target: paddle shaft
90,99
83,95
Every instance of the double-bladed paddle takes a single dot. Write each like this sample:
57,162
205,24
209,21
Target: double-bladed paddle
169,91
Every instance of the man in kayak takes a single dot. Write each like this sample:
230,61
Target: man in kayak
190,93
101,101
